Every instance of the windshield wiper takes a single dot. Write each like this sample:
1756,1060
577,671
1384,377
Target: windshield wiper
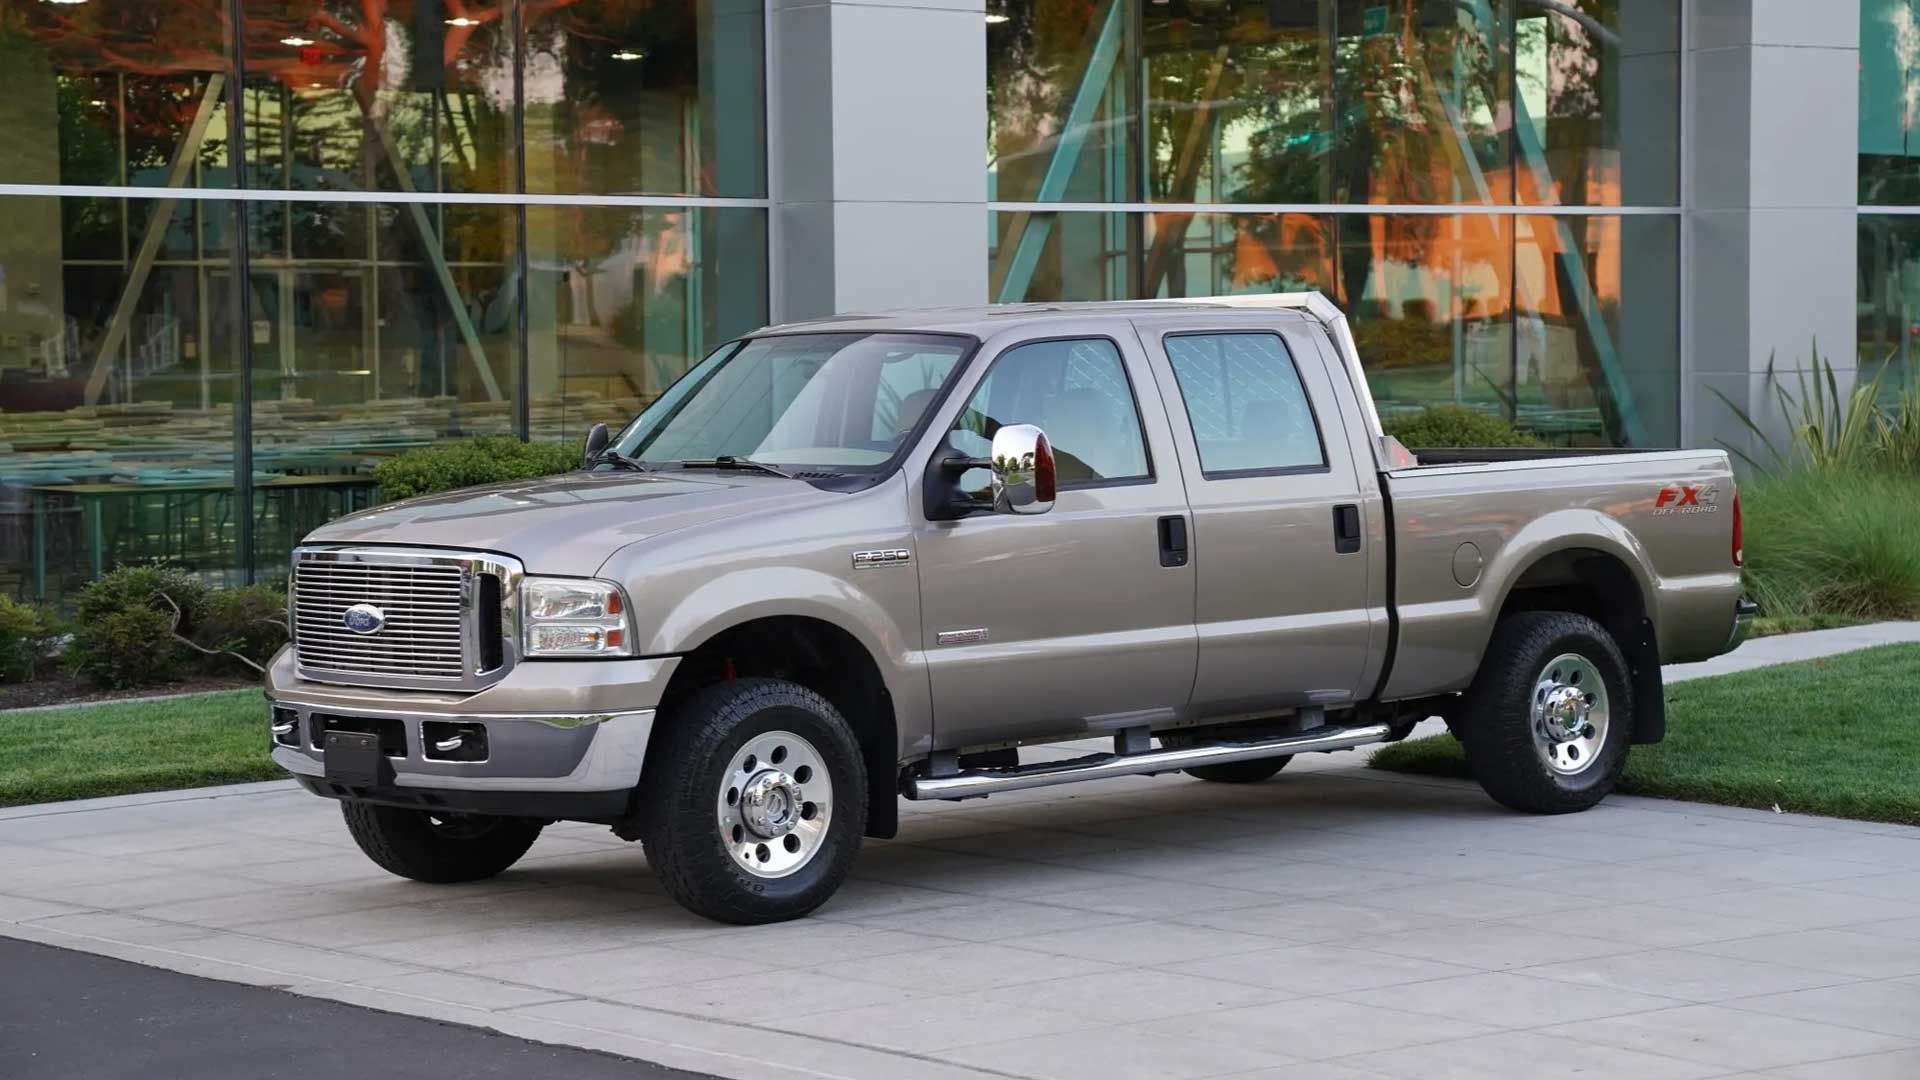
611,456
731,461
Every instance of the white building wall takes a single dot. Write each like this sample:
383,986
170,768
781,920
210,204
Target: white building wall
1773,140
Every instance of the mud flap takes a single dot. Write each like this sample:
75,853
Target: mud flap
1649,688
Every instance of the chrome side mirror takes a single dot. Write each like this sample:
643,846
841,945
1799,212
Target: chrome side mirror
596,441
1022,466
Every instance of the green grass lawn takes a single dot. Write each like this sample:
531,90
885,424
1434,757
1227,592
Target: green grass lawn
1839,736
114,748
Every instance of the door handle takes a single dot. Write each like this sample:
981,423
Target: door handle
1173,540
1346,528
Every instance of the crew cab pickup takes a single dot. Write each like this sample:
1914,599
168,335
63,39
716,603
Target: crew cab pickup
849,561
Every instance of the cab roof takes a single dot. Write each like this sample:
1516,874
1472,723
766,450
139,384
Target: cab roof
984,320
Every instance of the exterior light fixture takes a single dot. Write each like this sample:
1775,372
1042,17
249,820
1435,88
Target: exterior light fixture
462,20
628,54
994,18
66,3
296,41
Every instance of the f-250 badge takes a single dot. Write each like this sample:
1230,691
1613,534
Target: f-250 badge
1686,499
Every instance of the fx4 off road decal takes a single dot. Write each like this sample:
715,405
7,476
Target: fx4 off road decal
1686,499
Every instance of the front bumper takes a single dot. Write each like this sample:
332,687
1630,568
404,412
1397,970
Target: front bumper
564,740
578,752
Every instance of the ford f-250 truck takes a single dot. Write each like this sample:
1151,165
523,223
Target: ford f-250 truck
847,561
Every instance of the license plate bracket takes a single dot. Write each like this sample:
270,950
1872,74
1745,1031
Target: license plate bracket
354,759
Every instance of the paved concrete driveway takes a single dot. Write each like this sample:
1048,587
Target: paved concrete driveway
1333,923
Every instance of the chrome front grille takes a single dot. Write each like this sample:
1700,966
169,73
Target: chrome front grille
428,606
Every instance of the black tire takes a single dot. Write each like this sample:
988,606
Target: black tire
442,849
695,746
1232,772
1507,757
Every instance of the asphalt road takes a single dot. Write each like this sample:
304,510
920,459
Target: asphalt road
72,1015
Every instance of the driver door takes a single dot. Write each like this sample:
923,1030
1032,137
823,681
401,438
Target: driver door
1077,619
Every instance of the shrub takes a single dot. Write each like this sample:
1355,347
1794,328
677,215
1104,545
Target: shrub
1834,542
1829,430
485,460
26,638
1448,426
250,621
123,626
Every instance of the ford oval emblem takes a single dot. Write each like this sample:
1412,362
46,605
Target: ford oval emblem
364,619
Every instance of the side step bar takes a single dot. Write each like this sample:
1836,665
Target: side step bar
972,783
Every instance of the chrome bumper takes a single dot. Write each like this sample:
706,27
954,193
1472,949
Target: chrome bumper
1744,613
583,752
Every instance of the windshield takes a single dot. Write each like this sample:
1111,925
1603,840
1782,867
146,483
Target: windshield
816,402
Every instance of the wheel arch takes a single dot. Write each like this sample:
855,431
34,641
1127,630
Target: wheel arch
1591,576
824,657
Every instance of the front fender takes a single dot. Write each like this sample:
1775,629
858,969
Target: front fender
733,597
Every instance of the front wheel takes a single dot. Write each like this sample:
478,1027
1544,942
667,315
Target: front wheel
756,801
1550,713
441,849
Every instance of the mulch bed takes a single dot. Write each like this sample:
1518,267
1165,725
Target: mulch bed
61,689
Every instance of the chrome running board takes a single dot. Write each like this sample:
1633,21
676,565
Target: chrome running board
971,783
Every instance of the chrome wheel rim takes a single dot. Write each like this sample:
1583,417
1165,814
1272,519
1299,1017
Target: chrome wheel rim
1570,714
775,803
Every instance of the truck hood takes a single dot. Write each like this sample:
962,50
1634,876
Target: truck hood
568,524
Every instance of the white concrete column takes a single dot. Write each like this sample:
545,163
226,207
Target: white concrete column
1773,135
877,127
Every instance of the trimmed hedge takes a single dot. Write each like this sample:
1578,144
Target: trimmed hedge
1439,427
485,460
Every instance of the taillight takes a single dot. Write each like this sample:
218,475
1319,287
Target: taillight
1739,555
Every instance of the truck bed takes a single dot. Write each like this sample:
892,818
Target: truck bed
1470,527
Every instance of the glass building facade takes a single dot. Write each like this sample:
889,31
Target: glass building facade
1889,252
247,249
1490,189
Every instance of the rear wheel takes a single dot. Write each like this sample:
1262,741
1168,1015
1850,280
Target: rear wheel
756,801
1550,713
440,848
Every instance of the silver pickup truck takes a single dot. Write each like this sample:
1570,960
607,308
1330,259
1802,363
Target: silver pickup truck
873,557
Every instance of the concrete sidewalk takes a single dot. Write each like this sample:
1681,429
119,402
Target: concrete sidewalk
1787,648
1333,924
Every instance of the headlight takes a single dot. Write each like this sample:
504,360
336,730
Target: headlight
574,617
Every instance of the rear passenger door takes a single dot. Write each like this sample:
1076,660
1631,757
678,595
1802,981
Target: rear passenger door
1281,601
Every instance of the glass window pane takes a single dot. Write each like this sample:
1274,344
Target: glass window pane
1119,256
396,96
1598,103
1244,399
1430,298
1596,336
623,299
408,339
116,93
650,99
116,405
1889,103
1890,301
1075,391
1061,106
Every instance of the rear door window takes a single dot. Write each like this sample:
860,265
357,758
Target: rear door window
1245,401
